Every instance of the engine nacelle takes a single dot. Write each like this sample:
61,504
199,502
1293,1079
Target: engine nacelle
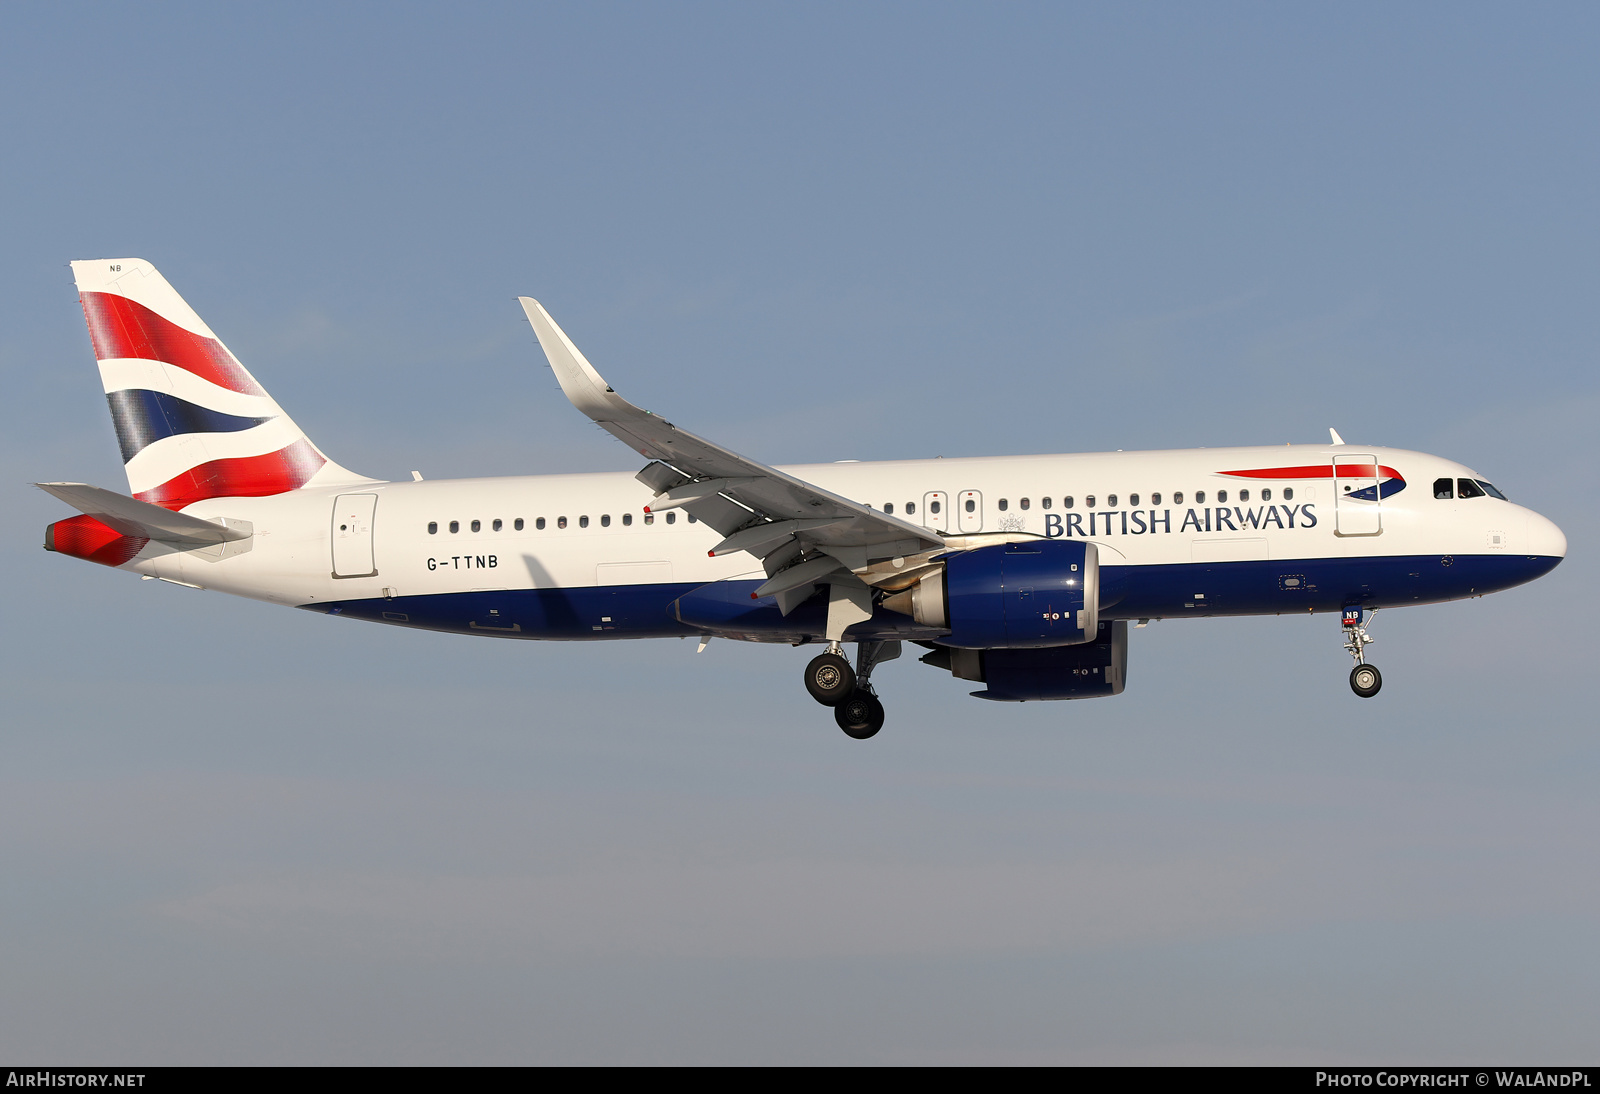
1088,670
1034,594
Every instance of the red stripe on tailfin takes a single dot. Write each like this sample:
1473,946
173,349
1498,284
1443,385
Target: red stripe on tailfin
124,328
243,477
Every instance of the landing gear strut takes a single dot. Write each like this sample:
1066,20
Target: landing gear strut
1365,679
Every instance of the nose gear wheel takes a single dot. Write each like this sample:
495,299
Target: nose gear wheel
1365,680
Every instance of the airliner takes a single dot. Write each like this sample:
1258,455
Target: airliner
1020,574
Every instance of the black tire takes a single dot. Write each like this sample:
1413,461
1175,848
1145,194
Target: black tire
1365,680
860,716
830,679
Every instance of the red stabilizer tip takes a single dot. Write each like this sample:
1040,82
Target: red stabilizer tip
753,596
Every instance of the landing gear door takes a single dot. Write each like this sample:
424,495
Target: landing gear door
1358,508
352,535
936,511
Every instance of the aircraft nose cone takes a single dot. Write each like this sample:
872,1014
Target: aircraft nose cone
1543,537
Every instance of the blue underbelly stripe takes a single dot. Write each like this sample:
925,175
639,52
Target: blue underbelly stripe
1127,592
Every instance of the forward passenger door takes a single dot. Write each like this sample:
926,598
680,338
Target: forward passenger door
1356,516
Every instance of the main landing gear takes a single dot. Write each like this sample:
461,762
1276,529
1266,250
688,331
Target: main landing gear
1365,679
833,683
829,677
861,715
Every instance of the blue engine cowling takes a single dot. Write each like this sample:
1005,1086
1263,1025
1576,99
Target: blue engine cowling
1088,670
1034,594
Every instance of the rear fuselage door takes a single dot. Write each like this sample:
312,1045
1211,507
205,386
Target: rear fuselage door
936,511
969,510
1361,515
352,535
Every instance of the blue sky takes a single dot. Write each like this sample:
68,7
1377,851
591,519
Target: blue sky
233,833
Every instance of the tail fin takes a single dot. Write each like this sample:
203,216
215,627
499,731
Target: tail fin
192,422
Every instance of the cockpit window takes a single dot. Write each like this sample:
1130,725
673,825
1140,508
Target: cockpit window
1466,488
1444,489
1490,490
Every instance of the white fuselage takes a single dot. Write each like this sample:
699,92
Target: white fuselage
574,535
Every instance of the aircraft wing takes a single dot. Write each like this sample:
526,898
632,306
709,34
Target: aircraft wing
794,527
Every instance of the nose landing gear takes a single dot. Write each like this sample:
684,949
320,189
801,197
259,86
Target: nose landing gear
1365,679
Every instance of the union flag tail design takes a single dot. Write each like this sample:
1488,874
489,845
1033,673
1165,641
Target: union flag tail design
192,422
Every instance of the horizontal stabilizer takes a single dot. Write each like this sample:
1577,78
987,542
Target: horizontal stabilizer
132,517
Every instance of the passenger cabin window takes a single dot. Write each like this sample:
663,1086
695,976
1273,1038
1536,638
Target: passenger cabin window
539,524
455,526
1024,503
1003,503
1466,488
627,519
1222,495
605,520
477,526
672,517
583,521
1111,501
972,506
1044,503
1490,490
1444,489
1199,497
933,507
1066,502
561,522
649,518
1177,498
433,527
1088,502
1133,500
911,508
1244,495
1288,493
1266,493
1155,499
498,524
888,507
516,525
692,518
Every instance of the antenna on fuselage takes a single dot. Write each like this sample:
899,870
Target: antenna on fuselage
1334,433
